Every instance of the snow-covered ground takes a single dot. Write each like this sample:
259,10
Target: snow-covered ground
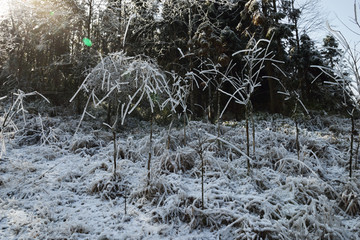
57,185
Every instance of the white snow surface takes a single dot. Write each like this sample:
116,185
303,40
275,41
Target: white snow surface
54,185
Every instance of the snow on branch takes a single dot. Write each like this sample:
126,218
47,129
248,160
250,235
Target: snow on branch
16,107
129,81
346,72
255,57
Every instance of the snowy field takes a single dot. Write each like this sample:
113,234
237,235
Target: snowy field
57,185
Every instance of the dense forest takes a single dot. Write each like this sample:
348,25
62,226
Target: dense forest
177,119
42,49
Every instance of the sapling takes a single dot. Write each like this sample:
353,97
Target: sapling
168,142
249,118
253,131
180,92
201,146
137,78
17,106
113,130
182,97
152,84
357,154
125,201
352,135
150,141
211,76
345,74
47,137
255,57
297,115
342,80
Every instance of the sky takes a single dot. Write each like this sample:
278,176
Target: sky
3,6
339,13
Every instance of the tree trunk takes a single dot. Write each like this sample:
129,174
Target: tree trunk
351,143
272,90
297,143
115,152
89,19
150,150
108,117
357,154
192,92
247,139
125,198
202,180
218,119
169,137
184,128
253,133
209,107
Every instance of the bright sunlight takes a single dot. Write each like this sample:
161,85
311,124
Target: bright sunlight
4,7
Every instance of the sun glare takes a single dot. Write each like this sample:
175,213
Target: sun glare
4,7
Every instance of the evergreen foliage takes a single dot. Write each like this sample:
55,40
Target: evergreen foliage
42,48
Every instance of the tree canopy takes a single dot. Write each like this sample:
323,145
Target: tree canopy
51,46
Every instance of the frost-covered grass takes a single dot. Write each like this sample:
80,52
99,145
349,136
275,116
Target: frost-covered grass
54,185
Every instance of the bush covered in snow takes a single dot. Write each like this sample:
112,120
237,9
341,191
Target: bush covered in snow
64,187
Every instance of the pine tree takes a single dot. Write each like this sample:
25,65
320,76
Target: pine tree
331,52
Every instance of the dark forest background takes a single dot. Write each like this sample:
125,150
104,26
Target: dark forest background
42,48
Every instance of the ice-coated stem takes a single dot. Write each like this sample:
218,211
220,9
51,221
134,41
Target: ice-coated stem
150,150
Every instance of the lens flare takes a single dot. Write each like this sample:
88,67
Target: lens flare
87,42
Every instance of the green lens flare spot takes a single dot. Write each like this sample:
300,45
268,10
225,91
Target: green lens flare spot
52,13
87,42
